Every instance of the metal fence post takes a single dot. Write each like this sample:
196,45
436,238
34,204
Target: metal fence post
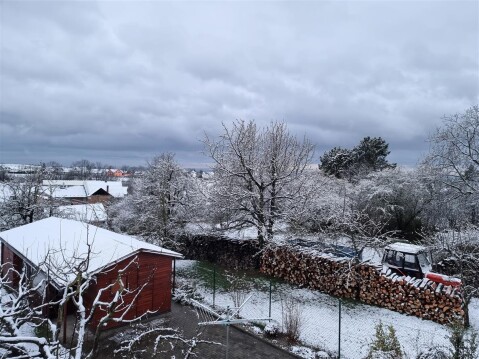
270,291
174,274
214,284
339,331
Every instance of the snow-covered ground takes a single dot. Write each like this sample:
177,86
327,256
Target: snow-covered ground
320,315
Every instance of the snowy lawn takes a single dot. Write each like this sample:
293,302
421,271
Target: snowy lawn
320,313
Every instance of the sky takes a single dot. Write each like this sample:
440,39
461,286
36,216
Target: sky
119,82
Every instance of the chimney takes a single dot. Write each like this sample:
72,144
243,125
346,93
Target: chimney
107,189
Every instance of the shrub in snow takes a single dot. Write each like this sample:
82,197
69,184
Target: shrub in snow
385,345
464,342
185,292
256,330
322,355
303,352
309,353
271,329
433,353
238,288
291,312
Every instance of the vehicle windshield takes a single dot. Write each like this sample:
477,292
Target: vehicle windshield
423,261
410,261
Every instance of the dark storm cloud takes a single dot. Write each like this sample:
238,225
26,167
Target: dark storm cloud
120,82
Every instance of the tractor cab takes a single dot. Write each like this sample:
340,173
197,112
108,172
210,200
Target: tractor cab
407,259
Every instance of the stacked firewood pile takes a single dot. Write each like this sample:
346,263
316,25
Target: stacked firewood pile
309,269
365,282
419,297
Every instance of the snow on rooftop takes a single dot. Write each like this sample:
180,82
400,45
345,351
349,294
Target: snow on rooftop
115,188
18,167
68,192
94,212
65,241
406,247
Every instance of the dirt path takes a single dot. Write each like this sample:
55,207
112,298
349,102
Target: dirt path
241,344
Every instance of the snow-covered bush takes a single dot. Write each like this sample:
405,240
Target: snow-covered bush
185,292
271,329
434,353
308,353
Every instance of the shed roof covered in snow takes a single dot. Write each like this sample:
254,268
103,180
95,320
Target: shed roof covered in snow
64,242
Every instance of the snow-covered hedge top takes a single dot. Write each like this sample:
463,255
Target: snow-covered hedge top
65,242
313,251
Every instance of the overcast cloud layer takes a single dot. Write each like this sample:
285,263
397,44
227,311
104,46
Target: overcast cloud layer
119,82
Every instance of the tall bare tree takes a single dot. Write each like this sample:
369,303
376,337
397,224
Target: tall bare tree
258,173
158,205
23,200
454,154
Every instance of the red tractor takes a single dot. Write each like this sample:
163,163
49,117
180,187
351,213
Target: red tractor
414,261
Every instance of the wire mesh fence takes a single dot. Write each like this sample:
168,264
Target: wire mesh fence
331,327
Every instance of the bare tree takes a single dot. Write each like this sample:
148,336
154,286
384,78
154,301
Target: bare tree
238,288
83,169
23,200
292,322
23,304
457,254
55,170
454,155
257,173
165,339
158,205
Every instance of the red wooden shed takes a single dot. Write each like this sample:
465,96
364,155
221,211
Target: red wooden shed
54,244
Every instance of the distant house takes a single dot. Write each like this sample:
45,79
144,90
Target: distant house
63,241
70,195
114,172
78,192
